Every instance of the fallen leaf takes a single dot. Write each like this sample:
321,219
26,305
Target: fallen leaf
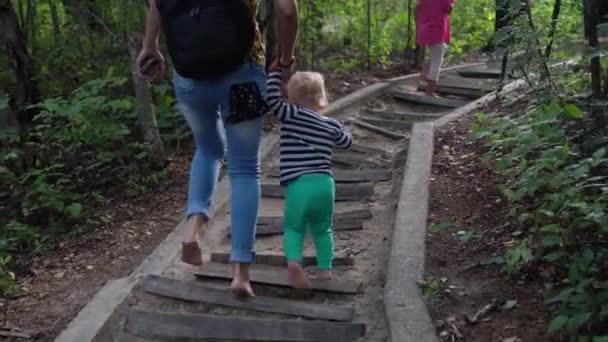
510,304
512,339
89,267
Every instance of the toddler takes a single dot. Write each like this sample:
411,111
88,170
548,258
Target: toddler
307,140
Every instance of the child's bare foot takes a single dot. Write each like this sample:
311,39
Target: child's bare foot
297,276
324,275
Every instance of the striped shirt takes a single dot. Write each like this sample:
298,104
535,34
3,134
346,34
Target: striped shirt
307,138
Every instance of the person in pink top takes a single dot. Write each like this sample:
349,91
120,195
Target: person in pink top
433,31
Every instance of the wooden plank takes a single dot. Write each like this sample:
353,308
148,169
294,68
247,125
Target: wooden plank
359,211
352,176
453,81
468,93
196,292
344,192
279,260
395,124
409,117
356,147
482,71
379,130
277,276
428,100
176,326
277,229
346,159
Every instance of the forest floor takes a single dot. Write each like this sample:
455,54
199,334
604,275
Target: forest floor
468,225
60,282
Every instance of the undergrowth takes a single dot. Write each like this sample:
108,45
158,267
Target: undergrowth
556,168
55,172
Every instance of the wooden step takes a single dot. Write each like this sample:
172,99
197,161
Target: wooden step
428,100
359,211
178,327
344,192
453,81
352,176
278,229
196,292
482,71
360,148
393,124
279,260
349,159
379,130
277,276
408,117
468,93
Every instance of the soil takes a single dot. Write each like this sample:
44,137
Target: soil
465,196
60,282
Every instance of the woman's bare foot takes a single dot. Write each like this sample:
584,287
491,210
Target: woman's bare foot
191,250
241,286
297,276
324,275
241,289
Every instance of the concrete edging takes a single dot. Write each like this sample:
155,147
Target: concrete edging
406,312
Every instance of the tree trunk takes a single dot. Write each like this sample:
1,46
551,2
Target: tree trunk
596,67
55,21
556,10
146,119
31,25
12,42
409,26
369,33
267,20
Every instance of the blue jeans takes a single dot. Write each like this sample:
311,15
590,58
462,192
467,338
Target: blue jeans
205,105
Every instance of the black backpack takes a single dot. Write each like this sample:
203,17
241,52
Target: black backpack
207,38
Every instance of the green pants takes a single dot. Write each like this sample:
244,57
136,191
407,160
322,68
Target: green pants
310,203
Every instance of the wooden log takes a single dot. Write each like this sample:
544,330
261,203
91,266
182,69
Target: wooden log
344,192
279,260
276,276
196,292
428,100
379,130
179,327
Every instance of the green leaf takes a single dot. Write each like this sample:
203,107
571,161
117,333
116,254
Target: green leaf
600,338
74,209
578,320
551,240
439,227
557,323
550,228
573,112
554,256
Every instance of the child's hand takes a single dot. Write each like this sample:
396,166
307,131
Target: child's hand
274,66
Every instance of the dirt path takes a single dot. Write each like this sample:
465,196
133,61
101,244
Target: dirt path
468,226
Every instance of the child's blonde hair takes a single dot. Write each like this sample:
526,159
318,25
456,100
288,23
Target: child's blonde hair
307,89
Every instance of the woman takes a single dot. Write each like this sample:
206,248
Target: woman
433,31
218,111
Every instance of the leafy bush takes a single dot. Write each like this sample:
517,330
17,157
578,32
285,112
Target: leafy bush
561,191
76,145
